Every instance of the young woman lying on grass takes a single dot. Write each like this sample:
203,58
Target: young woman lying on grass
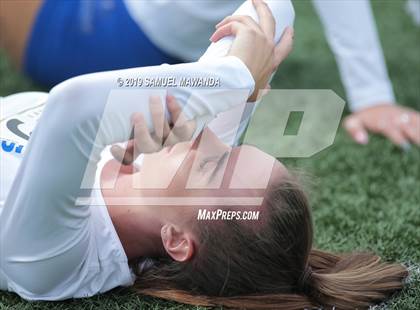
56,244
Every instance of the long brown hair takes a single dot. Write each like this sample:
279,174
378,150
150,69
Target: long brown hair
273,266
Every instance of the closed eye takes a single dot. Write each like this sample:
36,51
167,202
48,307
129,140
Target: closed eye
219,165
214,160
207,161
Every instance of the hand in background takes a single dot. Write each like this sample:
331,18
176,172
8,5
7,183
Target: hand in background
399,124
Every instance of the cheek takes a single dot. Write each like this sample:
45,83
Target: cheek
183,216
251,173
189,214
159,171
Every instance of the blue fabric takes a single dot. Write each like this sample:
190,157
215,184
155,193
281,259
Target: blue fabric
70,38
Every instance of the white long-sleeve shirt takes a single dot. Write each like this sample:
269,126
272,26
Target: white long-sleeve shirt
54,243
182,28
352,35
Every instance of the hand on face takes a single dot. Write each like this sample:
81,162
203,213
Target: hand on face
398,124
254,43
165,133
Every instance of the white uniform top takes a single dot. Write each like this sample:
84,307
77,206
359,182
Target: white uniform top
54,243
182,28
103,263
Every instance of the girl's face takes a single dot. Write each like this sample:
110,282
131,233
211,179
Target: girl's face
174,184
206,173
204,165
203,173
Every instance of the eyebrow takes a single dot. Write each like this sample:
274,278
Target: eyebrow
219,165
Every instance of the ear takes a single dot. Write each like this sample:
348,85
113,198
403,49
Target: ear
178,243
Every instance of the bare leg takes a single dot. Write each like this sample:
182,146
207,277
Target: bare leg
16,19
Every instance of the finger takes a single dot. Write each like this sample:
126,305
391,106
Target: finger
266,18
124,155
412,134
246,20
355,129
284,47
180,134
396,135
158,117
166,129
185,131
143,141
175,110
229,29
410,123
222,22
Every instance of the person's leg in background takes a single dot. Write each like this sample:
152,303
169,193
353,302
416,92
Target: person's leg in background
70,38
16,20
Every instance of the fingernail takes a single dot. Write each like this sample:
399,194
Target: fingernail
116,152
361,138
406,146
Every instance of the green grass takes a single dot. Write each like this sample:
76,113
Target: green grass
364,197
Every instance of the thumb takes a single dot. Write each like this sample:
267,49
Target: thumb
284,47
124,155
355,129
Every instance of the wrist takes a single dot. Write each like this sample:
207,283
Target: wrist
247,73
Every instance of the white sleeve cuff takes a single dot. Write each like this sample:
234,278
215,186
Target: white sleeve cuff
240,75
368,97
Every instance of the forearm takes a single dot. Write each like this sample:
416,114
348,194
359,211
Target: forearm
96,95
230,125
352,35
